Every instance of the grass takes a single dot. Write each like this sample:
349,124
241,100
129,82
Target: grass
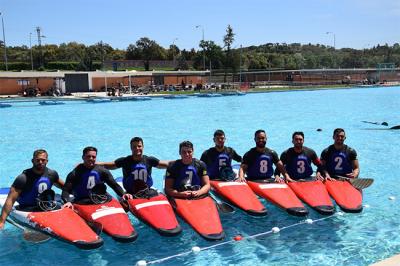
271,89
299,88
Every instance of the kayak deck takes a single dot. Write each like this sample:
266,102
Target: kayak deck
202,215
157,213
314,194
240,195
63,224
111,217
279,194
347,197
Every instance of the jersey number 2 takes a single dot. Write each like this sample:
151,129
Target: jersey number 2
338,161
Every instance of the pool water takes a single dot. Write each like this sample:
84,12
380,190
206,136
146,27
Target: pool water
351,239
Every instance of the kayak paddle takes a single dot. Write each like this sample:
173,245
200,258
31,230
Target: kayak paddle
359,183
95,226
222,206
30,235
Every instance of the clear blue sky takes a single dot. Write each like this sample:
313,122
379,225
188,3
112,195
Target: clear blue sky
355,23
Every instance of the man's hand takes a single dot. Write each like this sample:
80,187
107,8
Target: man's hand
328,177
127,196
351,175
319,176
288,178
240,179
68,205
279,179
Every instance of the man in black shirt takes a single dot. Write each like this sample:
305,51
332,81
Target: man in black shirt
136,168
186,177
219,156
339,159
257,162
86,176
297,159
30,184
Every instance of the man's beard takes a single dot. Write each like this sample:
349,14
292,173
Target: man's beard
261,144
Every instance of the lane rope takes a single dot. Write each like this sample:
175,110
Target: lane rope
196,249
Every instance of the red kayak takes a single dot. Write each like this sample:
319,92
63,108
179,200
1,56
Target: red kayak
240,195
156,212
280,195
111,217
314,194
63,224
347,197
202,215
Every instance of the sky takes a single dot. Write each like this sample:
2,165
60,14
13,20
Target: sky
358,24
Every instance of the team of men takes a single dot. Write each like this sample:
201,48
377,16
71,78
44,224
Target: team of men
186,177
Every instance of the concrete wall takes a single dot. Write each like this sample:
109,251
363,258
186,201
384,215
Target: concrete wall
177,80
45,80
11,85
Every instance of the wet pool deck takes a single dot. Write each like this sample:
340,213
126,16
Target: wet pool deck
392,261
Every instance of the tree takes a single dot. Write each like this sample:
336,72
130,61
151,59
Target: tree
172,52
117,54
229,37
213,55
146,50
182,63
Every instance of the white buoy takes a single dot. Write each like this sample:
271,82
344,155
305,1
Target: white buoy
141,263
392,197
309,221
340,213
196,249
366,206
275,229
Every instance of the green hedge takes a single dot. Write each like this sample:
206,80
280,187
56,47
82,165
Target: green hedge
56,65
16,66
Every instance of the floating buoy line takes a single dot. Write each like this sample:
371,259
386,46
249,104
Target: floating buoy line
195,250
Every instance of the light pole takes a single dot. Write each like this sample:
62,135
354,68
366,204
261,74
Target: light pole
173,51
240,68
30,45
334,38
4,42
40,36
334,47
204,54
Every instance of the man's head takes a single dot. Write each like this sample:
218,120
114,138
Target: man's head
339,136
89,155
186,151
260,137
298,139
137,146
39,160
219,138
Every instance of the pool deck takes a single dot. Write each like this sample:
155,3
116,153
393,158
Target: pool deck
86,95
392,261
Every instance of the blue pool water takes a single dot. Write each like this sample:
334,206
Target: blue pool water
351,239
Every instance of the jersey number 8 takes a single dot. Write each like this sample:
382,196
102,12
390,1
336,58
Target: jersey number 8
263,166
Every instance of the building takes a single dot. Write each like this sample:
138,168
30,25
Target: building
68,82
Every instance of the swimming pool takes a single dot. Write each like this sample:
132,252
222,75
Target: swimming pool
351,239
